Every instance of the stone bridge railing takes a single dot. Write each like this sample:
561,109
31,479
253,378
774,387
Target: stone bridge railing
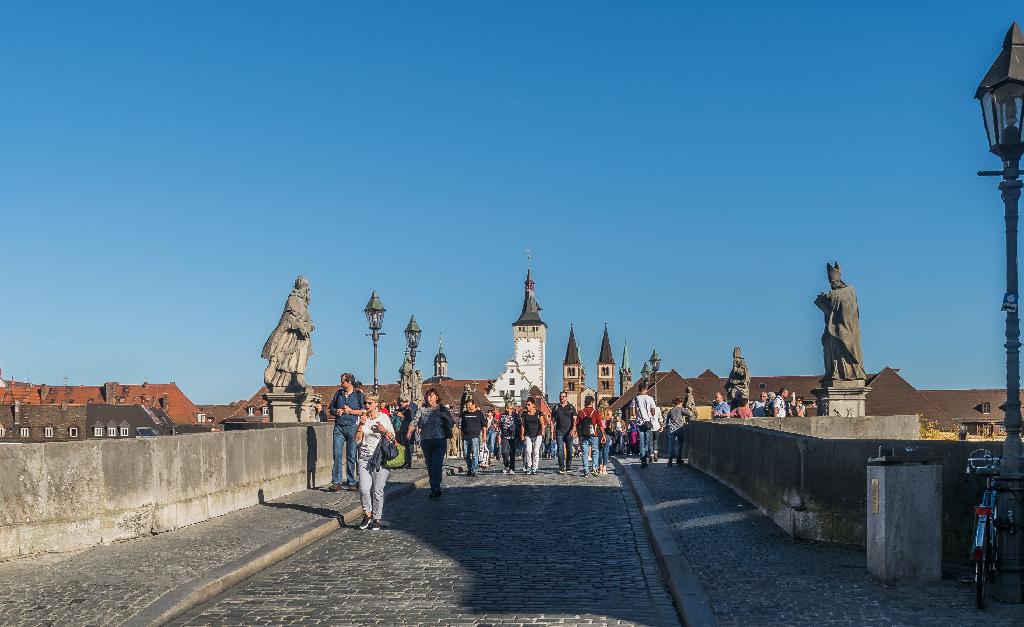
816,489
63,496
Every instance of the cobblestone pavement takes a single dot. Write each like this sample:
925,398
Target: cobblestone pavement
494,549
755,574
105,585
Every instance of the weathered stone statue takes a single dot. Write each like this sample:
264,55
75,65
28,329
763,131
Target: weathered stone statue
841,339
738,385
689,402
410,381
289,346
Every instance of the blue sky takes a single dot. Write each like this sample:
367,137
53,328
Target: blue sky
681,171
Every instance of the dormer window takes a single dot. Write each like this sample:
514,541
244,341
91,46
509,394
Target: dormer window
250,411
986,408
200,417
124,432
97,431
72,432
3,432
112,432
24,432
48,432
266,410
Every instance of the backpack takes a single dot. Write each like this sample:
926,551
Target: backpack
585,429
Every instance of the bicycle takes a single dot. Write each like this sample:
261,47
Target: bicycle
984,552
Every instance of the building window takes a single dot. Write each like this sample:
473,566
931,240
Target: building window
572,386
3,432
511,381
986,408
534,328
112,432
760,386
266,410
124,432
73,432
604,385
251,411
604,371
97,432
200,417
24,432
48,432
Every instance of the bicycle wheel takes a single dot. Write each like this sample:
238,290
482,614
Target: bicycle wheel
981,569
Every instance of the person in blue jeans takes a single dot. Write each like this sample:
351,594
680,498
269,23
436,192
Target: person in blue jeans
473,423
347,406
588,428
433,422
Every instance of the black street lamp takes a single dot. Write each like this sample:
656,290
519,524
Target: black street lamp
655,362
1001,94
374,311
412,338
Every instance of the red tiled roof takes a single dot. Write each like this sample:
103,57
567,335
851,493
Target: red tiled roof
175,403
969,405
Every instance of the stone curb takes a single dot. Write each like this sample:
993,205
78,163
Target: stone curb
682,582
177,601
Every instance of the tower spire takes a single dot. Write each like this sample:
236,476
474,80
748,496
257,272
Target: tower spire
572,352
625,357
606,349
531,310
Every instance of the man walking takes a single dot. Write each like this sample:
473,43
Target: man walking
347,406
473,422
564,417
643,409
588,426
675,427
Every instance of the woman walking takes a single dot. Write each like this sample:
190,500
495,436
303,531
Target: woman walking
532,424
434,422
373,427
607,429
509,436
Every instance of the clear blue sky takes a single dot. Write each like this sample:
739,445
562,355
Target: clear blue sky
681,171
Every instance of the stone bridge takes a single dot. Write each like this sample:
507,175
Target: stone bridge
224,529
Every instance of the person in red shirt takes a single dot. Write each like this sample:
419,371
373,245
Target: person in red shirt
742,410
588,427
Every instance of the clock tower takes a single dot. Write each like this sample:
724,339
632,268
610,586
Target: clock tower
529,334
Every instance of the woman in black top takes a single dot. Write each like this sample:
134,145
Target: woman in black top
532,424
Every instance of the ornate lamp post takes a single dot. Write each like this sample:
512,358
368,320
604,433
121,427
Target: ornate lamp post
655,362
412,338
1001,94
374,311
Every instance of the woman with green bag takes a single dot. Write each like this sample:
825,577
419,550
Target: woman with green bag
374,433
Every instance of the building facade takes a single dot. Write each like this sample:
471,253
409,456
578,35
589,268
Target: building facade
526,369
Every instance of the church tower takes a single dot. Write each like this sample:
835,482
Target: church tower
605,370
625,371
440,364
572,372
529,333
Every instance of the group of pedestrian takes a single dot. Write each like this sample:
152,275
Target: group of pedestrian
771,404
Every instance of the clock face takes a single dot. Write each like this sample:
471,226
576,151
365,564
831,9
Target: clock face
529,356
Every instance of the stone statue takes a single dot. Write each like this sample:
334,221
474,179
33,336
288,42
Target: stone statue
289,347
841,339
738,385
689,402
410,381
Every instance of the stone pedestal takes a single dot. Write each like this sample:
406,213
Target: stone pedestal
904,519
842,398
290,406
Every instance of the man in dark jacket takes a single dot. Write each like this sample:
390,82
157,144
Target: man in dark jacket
408,409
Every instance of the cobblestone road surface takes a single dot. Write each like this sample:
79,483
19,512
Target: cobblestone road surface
105,585
754,574
543,549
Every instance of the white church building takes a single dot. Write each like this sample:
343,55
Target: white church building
526,368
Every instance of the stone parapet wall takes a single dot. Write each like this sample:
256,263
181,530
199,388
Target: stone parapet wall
838,427
815,489
64,496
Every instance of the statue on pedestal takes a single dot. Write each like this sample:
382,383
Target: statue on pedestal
737,388
841,339
410,381
289,346
689,402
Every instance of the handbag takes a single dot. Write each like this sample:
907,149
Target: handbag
447,423
393,454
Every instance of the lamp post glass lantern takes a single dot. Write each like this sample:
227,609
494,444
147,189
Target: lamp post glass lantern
1001,94
655,362
374,311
